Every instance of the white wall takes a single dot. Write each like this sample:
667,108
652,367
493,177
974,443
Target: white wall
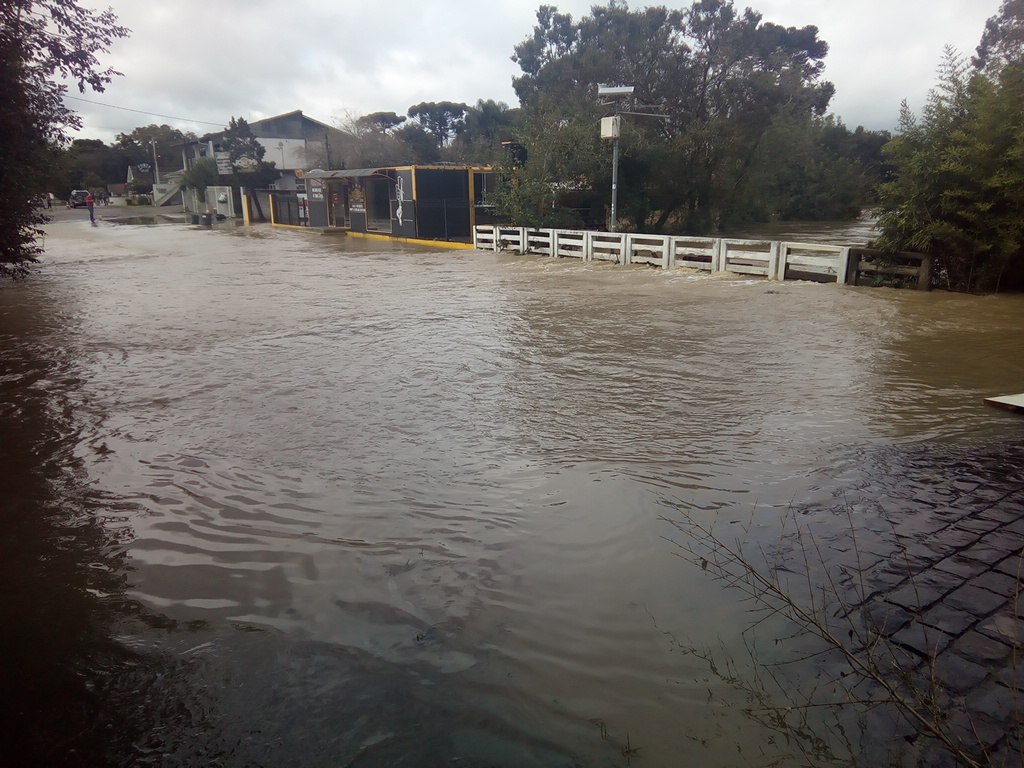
286,154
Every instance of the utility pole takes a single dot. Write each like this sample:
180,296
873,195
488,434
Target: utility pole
156,165
611,129
615,177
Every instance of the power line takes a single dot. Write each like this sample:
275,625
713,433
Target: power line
143,112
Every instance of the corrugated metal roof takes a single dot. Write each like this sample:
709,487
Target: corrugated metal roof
347,173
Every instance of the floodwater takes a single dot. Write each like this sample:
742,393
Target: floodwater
273,499
856,232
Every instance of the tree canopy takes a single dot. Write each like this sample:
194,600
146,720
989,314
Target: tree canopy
240,143
441,119
957,190
41,41
140,145
379,122
250,170
725,109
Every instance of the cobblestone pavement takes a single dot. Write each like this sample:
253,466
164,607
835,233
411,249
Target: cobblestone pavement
929,572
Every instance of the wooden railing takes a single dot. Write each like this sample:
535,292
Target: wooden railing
772,259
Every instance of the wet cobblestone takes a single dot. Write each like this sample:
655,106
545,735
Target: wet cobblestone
935,575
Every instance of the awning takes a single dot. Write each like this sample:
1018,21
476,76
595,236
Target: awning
347,173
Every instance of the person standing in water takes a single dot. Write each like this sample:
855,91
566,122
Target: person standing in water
90,203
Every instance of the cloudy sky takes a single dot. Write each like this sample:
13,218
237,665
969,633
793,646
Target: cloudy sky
193,64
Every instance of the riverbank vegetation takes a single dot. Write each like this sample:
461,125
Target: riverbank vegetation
727,123
957,187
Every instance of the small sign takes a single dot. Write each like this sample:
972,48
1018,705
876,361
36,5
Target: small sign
223,163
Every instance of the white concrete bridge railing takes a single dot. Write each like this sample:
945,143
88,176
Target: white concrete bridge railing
773,260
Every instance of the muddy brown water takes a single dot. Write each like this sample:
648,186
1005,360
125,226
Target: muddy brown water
277,499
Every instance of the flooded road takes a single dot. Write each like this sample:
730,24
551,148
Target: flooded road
278,499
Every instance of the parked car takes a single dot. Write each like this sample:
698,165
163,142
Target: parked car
77,198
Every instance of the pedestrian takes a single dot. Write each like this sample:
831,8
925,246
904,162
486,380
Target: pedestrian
49,199
90,202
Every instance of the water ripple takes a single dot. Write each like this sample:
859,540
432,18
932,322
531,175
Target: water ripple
459,465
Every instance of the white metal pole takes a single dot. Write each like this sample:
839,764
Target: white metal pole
615,182
156,165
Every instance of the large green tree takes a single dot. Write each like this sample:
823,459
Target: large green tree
441,119
1003,38
561,184
43,44
486,125
957,190
250,170
162,140
415,144
709,83
379,122
201,175
90,164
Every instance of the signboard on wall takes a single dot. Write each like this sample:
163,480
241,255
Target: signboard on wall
315,189
357,200
402,206
223,163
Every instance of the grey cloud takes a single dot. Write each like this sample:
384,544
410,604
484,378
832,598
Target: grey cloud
210,61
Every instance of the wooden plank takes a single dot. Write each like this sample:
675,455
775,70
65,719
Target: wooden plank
884,269
1013,403
904,255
